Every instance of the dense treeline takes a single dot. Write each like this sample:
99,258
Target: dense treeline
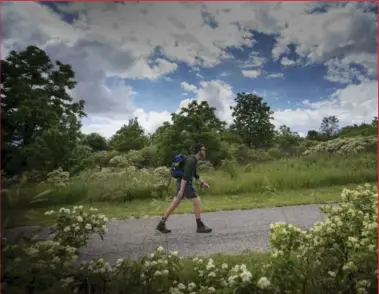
41,125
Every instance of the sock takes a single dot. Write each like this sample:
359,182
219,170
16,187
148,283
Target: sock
199,222
163,219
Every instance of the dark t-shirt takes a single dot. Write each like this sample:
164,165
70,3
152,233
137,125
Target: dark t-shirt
190,169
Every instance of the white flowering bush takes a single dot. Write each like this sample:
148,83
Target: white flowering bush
337,254
346,146
119,161
94,275
74,226
58,177
37,266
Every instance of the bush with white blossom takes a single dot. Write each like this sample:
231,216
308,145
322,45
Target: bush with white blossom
41,266
74,226
337,254
345,146
58,177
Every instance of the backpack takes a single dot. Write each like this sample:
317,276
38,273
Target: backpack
177,167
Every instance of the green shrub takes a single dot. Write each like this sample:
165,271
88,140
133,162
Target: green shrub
274,153
230,167
205,166
100,159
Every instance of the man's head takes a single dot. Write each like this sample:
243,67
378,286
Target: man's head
200,151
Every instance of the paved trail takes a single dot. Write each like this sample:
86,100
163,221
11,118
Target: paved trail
233,232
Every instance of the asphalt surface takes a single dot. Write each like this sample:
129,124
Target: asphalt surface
233,232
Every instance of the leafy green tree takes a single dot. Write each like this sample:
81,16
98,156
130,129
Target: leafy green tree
313,135
198,117
129,137
35,103
252,120
329,126
195,123
96,141
286,139
231,136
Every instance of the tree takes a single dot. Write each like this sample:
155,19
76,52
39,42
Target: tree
196,123
329,126
313,135
286,138
129,137
252,120
35,101
231,136
96,142
198,117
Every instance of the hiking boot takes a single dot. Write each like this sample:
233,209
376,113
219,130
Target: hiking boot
161,227
203,229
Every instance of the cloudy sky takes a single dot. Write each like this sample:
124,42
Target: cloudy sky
146,60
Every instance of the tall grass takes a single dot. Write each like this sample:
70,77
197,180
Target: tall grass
280,175
293,174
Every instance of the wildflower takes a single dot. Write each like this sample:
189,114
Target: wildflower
160,249
246,276
224,266
263,283
191,286
210,266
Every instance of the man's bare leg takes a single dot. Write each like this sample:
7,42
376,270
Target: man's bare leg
174,204
201,228
196,207
162,224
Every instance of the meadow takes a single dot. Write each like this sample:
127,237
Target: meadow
299,261
131,192
54,175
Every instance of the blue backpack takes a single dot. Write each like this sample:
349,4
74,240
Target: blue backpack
177,167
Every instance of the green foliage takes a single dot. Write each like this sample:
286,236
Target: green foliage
40,121
129,137
274,153
96,142
360,130
252,120
329,126
101,159
286,139
336,255
313,135
230,167
196,123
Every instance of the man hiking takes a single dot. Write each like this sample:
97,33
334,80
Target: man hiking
186,189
